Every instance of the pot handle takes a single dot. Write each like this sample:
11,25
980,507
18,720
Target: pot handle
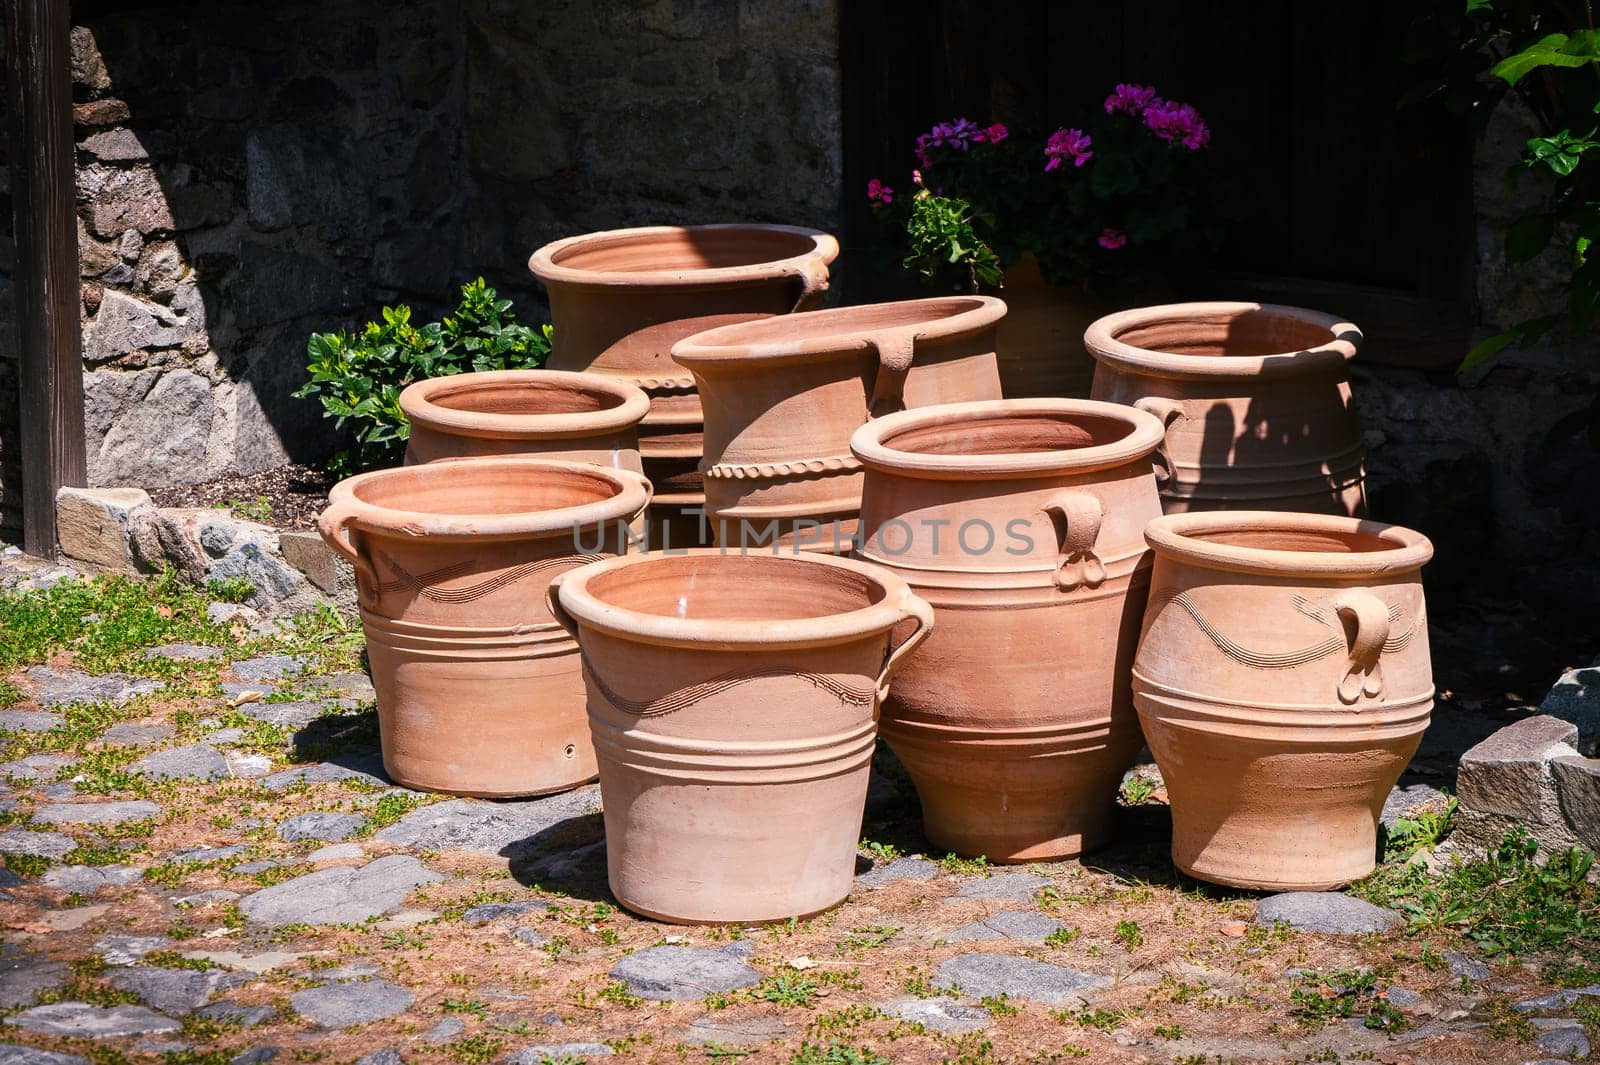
552,600
895,354
911,607
1078,565
334,524
1167,411
813,277
1367,619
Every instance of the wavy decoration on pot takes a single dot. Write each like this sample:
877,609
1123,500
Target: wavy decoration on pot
1363,676
848,694
423,585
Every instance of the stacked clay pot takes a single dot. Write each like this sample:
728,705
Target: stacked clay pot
782,397
1283,682
733,701
479,690
620,299
1256,398
577,416
1022,523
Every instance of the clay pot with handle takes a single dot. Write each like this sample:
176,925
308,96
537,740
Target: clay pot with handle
620,299
1255,397
479,689
1022,523
733,701
1283,682
578,416
783,395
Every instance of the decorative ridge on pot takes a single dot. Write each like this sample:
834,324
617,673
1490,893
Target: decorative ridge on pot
1279,339
1394,548
812,251
580,404
357,502
875,442
891,328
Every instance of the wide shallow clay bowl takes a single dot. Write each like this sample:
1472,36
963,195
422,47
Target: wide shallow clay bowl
578,416
1283,682
783,395
1256,399
1022,523
620,299
480,691
734,703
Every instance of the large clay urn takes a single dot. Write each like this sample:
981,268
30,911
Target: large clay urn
479,689
1283,683
734,703
1040,343
1256,399
783,395
1022,523
579,416
620,299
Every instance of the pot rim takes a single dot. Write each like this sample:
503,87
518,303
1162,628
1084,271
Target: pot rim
345,508
420,402
1174,536
572,589
824,249
1101,338
1145,433
723,344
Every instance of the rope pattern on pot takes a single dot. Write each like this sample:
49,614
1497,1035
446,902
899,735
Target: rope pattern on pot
423,584
1281,659
848,694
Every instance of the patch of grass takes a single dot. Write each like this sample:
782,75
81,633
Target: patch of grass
86,989
718,1052
999,1005
1130,934
257,509
482,1048
171,959
82,855
230,589
786,990
835,1054
1570,972
1505,904
1507,1023
1345,994
206,1029
617,992
881,852
1169,1031
1062,936
1136,790
1424,828
28,865
10,694
465,1005
844,1020
871,936
958,866
389,809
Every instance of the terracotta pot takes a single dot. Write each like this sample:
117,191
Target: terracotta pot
1283,682
784,395
1040,342
479,690
577,416
733,701
620,299
1256,398
1022,523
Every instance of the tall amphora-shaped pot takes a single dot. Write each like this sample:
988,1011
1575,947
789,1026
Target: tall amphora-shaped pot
1256,399
734,703
480,691
620,299
782,397
1283,683
1022,523
578,416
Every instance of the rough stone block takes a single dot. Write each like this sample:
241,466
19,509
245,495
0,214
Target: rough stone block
92,525
1508,773
310,554
1577,782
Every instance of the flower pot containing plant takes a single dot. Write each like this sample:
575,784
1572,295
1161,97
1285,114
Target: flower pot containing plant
480,691
578,416
783,395
620,299
1064,227
733,701
1256,399
1283,682
1022,523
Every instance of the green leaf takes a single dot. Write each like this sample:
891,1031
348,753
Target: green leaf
1556,49
1486,349
1528,236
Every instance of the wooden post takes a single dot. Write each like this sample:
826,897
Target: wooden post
43,196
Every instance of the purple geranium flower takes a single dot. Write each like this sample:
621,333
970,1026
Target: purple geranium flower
1173,121
1111,239
1064,144
879,193
1129,99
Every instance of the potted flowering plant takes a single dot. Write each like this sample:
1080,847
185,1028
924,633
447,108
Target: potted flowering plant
1068,224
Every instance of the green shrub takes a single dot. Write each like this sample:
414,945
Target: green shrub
358,377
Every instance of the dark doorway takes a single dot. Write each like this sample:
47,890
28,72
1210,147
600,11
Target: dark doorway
1347,202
